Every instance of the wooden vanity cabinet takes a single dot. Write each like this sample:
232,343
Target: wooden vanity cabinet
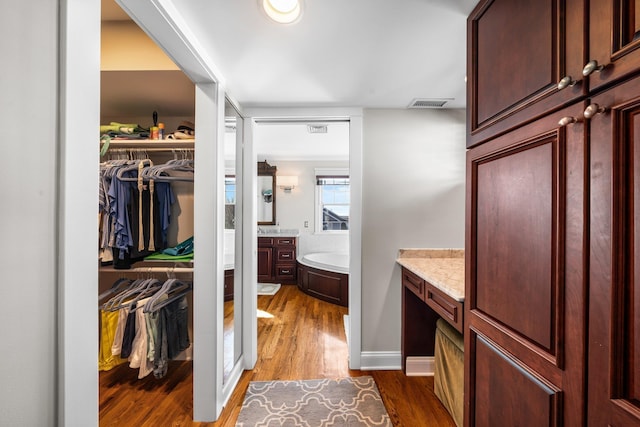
265,259
422,305
277,259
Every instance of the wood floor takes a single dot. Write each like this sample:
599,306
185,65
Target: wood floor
299,337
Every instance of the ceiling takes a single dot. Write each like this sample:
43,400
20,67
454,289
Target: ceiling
341,53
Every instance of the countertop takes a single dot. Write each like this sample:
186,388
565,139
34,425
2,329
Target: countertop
442,268
273,232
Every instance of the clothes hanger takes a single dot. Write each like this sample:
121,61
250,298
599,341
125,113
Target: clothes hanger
183,289
120,283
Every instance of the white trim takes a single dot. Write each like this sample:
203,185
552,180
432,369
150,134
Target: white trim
380,360
420,366
249,249
354,117
78,158
355,240
208,276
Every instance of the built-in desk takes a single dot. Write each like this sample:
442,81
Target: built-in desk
432,287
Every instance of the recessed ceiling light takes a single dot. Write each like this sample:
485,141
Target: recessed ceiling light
283,11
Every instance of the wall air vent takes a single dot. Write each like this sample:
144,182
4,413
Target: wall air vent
317,128
429,103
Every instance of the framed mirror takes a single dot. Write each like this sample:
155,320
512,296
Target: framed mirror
266,194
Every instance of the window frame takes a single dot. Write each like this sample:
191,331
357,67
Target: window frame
318,205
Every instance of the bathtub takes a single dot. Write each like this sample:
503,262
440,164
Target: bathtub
325,275
337,262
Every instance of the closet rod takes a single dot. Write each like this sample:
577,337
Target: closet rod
152,150
159,270
163,144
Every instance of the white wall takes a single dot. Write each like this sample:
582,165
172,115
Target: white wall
293,209
413,197
28,227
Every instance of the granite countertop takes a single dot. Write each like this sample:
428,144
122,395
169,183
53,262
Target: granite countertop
442,268
274,232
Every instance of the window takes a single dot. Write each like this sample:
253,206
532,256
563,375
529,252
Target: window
230,202
332,203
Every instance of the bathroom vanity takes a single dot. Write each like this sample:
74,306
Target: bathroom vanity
432,322
277,257
432,288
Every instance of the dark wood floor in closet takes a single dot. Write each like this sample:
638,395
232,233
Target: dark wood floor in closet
304,339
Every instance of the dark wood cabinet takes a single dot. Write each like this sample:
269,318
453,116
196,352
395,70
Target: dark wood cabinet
228,284
519,51
277,259
525,275
422,305
551,300
614,40
265,263
614,262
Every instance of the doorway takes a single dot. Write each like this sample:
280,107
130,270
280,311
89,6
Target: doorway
304,147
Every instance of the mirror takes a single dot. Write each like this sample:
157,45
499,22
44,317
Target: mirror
232,335
266,194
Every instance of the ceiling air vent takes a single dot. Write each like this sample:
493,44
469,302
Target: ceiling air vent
317,128
429,103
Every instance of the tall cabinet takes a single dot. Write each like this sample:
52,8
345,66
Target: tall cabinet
552,304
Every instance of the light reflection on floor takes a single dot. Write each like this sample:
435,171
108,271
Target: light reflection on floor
264,315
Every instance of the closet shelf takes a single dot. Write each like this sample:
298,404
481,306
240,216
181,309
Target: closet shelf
153,267
164,144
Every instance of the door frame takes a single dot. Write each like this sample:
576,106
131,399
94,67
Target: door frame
354,117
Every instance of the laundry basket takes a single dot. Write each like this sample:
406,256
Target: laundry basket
448,377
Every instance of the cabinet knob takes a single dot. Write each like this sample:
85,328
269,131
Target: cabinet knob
566,81
591,67
592,110
567,120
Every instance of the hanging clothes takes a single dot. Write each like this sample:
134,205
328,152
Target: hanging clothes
149,320
106,359
135,200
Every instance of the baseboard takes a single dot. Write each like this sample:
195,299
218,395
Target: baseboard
380,360
419,366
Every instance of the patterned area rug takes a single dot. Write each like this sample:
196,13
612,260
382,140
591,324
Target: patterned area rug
313,403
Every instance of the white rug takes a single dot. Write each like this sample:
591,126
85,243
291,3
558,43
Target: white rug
268,288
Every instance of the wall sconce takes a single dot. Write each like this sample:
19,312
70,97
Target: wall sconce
286,182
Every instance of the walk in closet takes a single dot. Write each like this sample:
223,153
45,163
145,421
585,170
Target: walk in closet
146,224
141,88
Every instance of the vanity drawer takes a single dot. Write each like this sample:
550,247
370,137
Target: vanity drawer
265,241
286,272
413,282
285,255
285,241
448,308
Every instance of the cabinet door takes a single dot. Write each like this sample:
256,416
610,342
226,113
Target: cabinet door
525,291
614,39
518,51
265,264
614,267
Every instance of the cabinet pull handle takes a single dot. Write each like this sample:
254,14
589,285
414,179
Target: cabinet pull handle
567,120
591,67
592,110
566,81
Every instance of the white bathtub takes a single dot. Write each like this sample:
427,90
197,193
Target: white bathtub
336,262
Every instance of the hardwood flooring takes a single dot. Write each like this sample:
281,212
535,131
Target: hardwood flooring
299,337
